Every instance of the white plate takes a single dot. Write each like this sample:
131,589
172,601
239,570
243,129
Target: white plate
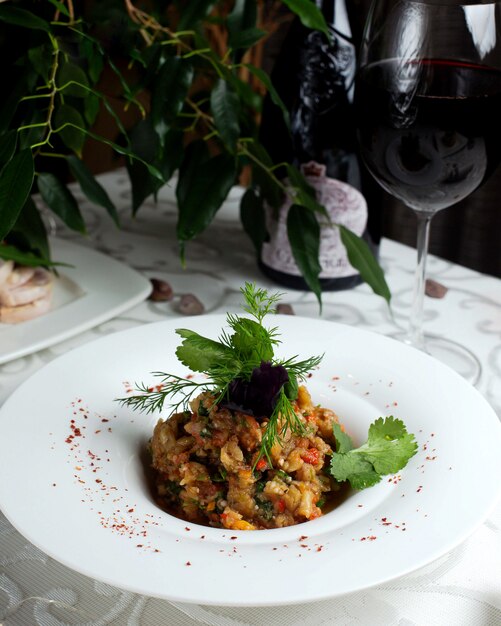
95,289
76,484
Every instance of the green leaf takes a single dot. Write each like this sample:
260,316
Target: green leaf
306,195
362,259
252,216
91,188
225,104
29,234
59,198
170,89
200,354
91,108
389,446
268,186
251,342
16,180
165,152
204,182
60,7
20,17
68,121
11,253
303,232
358,471
343,441
387,450
7,146
194,11
246,38
275,98
40,57
242,17
309,14
73,81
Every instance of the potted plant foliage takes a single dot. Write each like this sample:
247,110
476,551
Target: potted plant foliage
189,73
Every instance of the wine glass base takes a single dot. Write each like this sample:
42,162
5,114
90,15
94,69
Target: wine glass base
451,353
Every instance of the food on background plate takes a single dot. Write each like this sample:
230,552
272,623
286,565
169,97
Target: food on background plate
250,449
25,292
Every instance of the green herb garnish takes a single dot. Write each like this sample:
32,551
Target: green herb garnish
242,372
387,450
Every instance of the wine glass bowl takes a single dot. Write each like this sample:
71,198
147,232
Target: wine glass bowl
428,95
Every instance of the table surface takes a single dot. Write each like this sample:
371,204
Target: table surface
462,587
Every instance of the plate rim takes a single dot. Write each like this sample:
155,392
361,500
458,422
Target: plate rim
138,286
171,324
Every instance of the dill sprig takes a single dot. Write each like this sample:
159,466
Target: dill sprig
150,399
234,365
283,418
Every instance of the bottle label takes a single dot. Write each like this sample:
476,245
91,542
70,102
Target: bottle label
345,205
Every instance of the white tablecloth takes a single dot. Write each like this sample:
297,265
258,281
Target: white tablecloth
462,587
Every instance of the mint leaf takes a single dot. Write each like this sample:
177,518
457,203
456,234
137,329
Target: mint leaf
387,450
343,441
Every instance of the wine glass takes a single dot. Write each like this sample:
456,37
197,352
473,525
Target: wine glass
428,101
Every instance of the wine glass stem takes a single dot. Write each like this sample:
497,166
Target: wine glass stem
415,335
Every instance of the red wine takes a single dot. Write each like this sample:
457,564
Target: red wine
315,80
429,130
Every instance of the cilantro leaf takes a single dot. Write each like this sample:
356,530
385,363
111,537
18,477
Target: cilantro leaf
389,446
387,450
343,441
354,468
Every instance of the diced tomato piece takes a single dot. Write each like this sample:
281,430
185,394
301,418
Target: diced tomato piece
311,456
261,464
281,505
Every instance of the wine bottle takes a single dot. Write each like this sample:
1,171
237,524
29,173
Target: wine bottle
315,80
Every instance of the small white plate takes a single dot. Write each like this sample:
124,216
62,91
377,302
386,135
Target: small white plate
74,480
95,289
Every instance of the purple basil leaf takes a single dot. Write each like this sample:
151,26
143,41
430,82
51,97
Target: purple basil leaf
259,395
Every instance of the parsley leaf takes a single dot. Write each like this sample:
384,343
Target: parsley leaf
387,450
200,354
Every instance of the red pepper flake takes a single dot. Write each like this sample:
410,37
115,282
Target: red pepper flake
304,545
139,545
97,432
104,420
187,528
233,538
360,506
320,548
54,484
188,563
130,511
202,536
303,537
419,488
98,480
274,548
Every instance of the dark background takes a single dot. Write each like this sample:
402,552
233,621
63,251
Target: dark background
468,233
